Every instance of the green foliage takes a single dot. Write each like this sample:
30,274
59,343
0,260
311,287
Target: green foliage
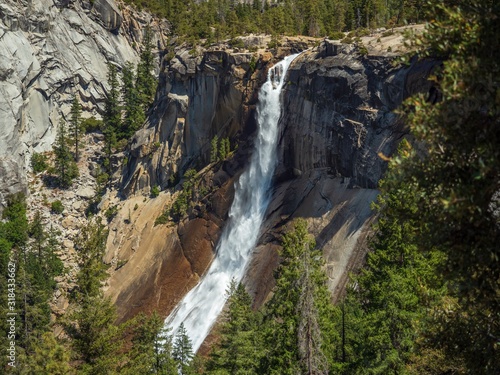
180,206
337,35
146,82
91,125
457,179
112,115
155,191
224,148
91,245
49,357
57,207
31,249
111,212
65,167
151,348
15,228
39,162
300,311
134,112
96,339
75,126
182,350
214,149
239,349
214,20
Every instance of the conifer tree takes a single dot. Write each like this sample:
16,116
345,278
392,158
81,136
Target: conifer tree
112,115
96,338
134,113
91,245
49,357
65,167
456,181
214,149
151,351
146,82
182,351
239,350
76,126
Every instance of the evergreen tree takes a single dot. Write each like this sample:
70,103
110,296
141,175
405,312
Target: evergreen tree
65,167
134,113
76,126
96,339
394,292
112,115
146,82
239,349
182,351
49,357
457,179
91,245
300,311
213,149
151,348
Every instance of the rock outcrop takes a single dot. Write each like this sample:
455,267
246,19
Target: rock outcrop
51,51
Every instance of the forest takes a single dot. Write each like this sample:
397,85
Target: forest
427,300
213,20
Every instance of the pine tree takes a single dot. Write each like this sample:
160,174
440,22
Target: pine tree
457,179
91,245
96,338
214,149
239,349
76,126
151,351
65,167
134,113
112,115
146,82
300,321
182,351
49,357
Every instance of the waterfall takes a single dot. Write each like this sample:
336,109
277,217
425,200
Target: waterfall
201,306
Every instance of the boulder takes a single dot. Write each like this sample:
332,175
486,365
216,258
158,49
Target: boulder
85,192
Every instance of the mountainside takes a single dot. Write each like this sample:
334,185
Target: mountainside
51,51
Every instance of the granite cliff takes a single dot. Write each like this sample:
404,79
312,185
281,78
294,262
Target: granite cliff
51,50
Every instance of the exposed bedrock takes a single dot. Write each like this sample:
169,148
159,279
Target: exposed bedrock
51,51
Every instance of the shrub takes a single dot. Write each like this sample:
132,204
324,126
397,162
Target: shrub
337,35
155,191
57,207
111,212
39,162
91,125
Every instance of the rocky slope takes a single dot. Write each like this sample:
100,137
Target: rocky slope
51,50
339,116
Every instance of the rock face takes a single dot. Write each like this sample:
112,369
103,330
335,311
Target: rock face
49,52
108,14
340,112
199,98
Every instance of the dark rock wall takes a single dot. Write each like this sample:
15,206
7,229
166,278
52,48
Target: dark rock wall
339,113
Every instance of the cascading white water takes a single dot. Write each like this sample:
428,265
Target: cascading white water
201,306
